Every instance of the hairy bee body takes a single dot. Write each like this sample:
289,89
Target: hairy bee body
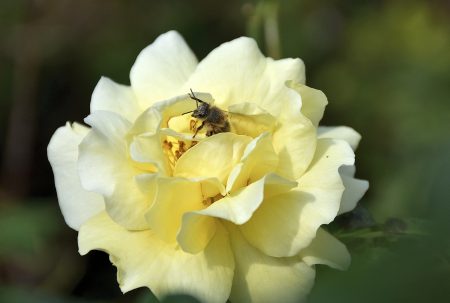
213,118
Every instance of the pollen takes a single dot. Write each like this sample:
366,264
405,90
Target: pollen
175,148
210,200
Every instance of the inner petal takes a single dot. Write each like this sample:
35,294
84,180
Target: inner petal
213,156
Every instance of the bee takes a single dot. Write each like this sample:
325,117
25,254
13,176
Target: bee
213,118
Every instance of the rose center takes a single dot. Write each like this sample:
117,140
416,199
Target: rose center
174,148
211,200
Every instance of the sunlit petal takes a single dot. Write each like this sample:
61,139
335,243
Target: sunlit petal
161,69
77,204
105,168
326,249
117,98
261,278
144,260
237,72
284,224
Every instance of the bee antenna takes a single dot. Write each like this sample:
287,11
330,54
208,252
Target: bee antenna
193,97
191,111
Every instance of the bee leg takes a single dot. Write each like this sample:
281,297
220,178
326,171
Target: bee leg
199,128
192,125
226,127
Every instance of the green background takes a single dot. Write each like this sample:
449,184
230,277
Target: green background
384,65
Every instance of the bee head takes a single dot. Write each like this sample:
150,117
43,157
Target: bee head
201,111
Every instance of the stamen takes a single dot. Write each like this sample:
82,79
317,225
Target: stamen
174,149
210,200
193,125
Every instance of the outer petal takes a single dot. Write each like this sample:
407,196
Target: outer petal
105,168
294,142
237,72
77,205
117,98
342,133
287,223
214,156
161,69
313,101
326,249
144,260
260,278
354,189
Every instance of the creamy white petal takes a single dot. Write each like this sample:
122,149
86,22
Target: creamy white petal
104,167
237,208
264,279
147,149
213,156
326,249
354,189
237,72
258,160
117,98
161,69
250,119
174,197
196,231
144,260
286,223
77,205
294,142
313,101
345,133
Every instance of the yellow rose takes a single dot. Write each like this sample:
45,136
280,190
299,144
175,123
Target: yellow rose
234,215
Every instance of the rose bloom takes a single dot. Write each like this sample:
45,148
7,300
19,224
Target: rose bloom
233,215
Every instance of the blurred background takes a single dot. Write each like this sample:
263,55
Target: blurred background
384,65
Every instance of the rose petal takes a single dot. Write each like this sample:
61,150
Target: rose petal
261,278
237,72
77,204
259,159
117,98
287,223
105,168
212,157
294,142
326,249
196,231
175,196
313,101
342,133
354,189
161,69
147,149
237,208
250,119
144,260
